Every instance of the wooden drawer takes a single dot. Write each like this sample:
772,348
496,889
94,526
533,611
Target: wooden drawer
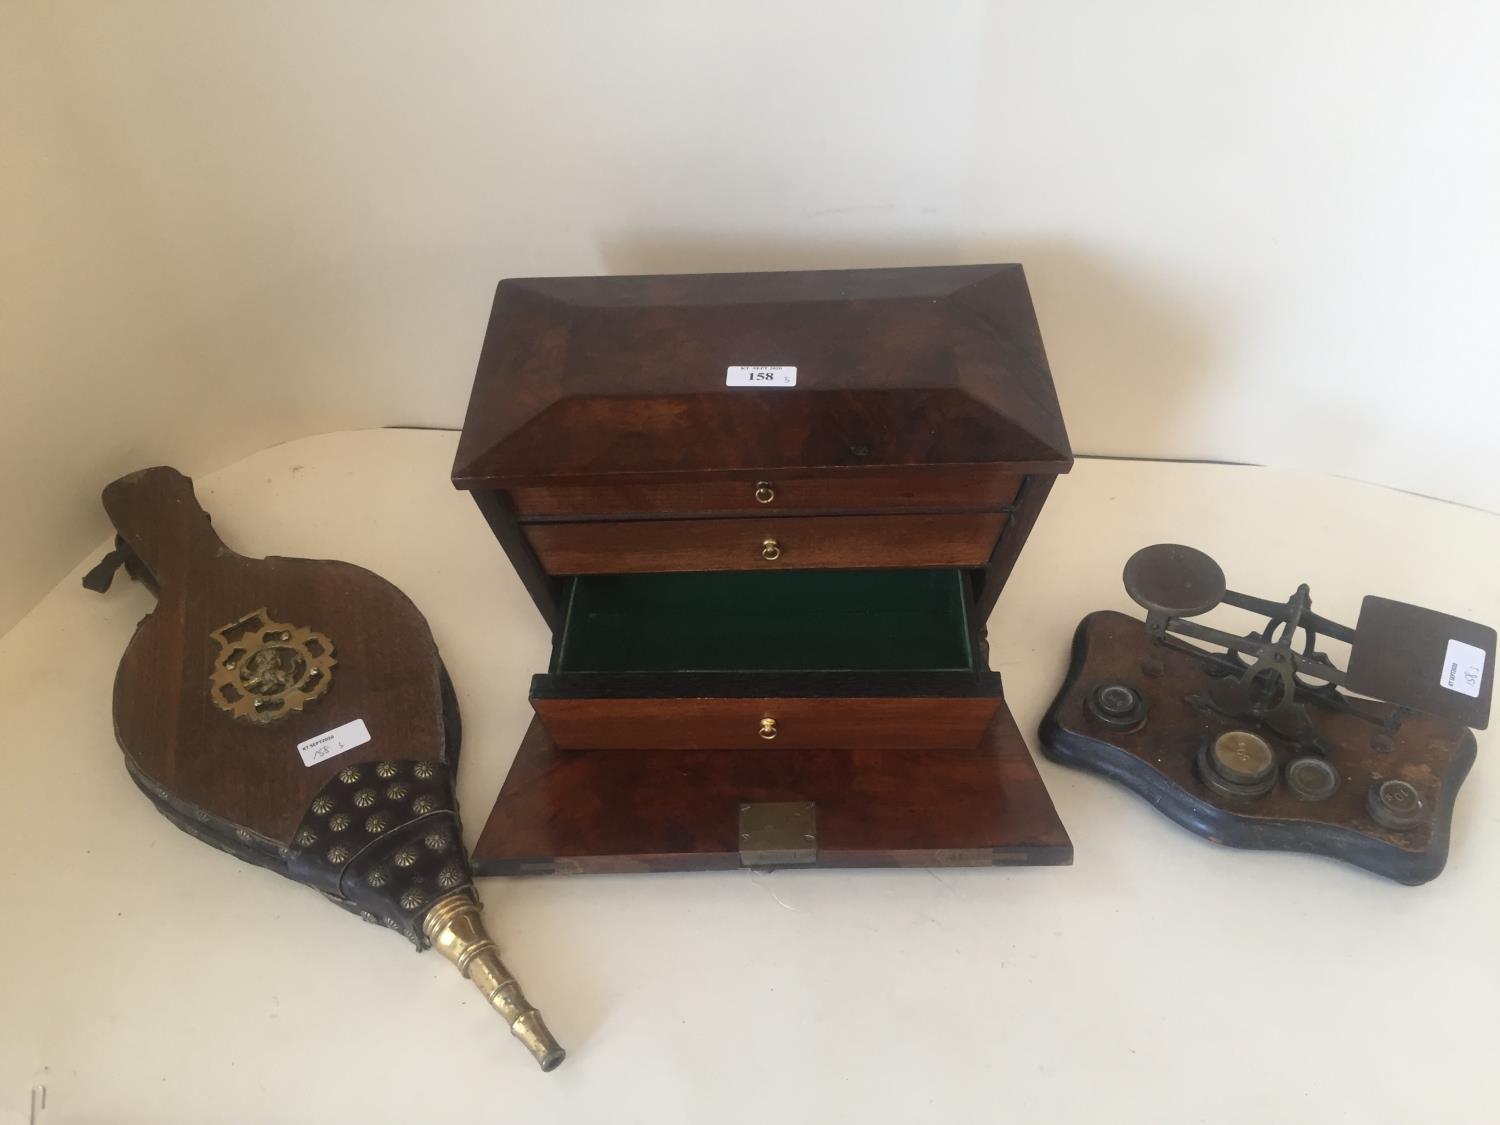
801,660
791,543
936,488
678,721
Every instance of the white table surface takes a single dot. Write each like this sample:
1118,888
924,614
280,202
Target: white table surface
145,977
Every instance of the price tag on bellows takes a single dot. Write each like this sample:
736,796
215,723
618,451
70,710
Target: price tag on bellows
761,377
334,742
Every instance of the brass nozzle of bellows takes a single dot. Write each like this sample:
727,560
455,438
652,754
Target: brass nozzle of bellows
455,927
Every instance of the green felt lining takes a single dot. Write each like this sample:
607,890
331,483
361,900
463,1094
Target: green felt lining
784,620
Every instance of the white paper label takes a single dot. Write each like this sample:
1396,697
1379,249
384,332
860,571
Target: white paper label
761,377
1463,669
335,742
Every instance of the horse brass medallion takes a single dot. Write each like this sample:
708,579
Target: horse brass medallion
265,669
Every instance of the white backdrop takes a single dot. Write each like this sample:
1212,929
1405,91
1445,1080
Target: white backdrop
1255,231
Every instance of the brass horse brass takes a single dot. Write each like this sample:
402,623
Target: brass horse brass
265,670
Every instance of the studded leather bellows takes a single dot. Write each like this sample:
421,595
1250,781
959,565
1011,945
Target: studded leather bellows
296,714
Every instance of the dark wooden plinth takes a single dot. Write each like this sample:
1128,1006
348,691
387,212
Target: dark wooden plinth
1159,760
602,811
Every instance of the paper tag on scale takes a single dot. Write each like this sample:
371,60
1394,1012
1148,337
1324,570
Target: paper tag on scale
335,742
1463,669
761,377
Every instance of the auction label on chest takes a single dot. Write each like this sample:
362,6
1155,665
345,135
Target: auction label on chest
761,377
334,742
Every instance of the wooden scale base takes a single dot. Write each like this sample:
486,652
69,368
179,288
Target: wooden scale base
1261,741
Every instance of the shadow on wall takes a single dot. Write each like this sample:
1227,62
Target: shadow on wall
1130,360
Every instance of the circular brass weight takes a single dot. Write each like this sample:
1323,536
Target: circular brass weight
765,492
770,550
1311,778
1242,757
1238,764
1117,705
1395,804
768,729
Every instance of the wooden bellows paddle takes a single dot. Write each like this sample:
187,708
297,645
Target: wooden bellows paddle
295,713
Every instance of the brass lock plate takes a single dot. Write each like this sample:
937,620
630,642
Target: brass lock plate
778,833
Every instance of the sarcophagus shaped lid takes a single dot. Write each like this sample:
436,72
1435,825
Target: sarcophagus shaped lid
594,378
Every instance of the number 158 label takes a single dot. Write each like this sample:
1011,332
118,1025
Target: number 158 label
1463,669
761,377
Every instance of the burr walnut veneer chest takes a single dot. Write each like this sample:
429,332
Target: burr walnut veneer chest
766,517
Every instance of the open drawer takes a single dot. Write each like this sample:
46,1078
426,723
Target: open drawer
793,659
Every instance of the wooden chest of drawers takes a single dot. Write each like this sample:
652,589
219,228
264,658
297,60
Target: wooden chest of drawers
766,517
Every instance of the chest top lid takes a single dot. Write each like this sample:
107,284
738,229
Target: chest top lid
589,378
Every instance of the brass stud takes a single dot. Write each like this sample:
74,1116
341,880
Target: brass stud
349,775
397,790
423,805
322,806
450,877
437,841
306,838
377,823
411,900
339,854
339,822
423,770
405,857
386,770
365,798
376,878
369,917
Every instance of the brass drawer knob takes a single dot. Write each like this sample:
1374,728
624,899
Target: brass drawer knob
765,492
770,550
768,729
